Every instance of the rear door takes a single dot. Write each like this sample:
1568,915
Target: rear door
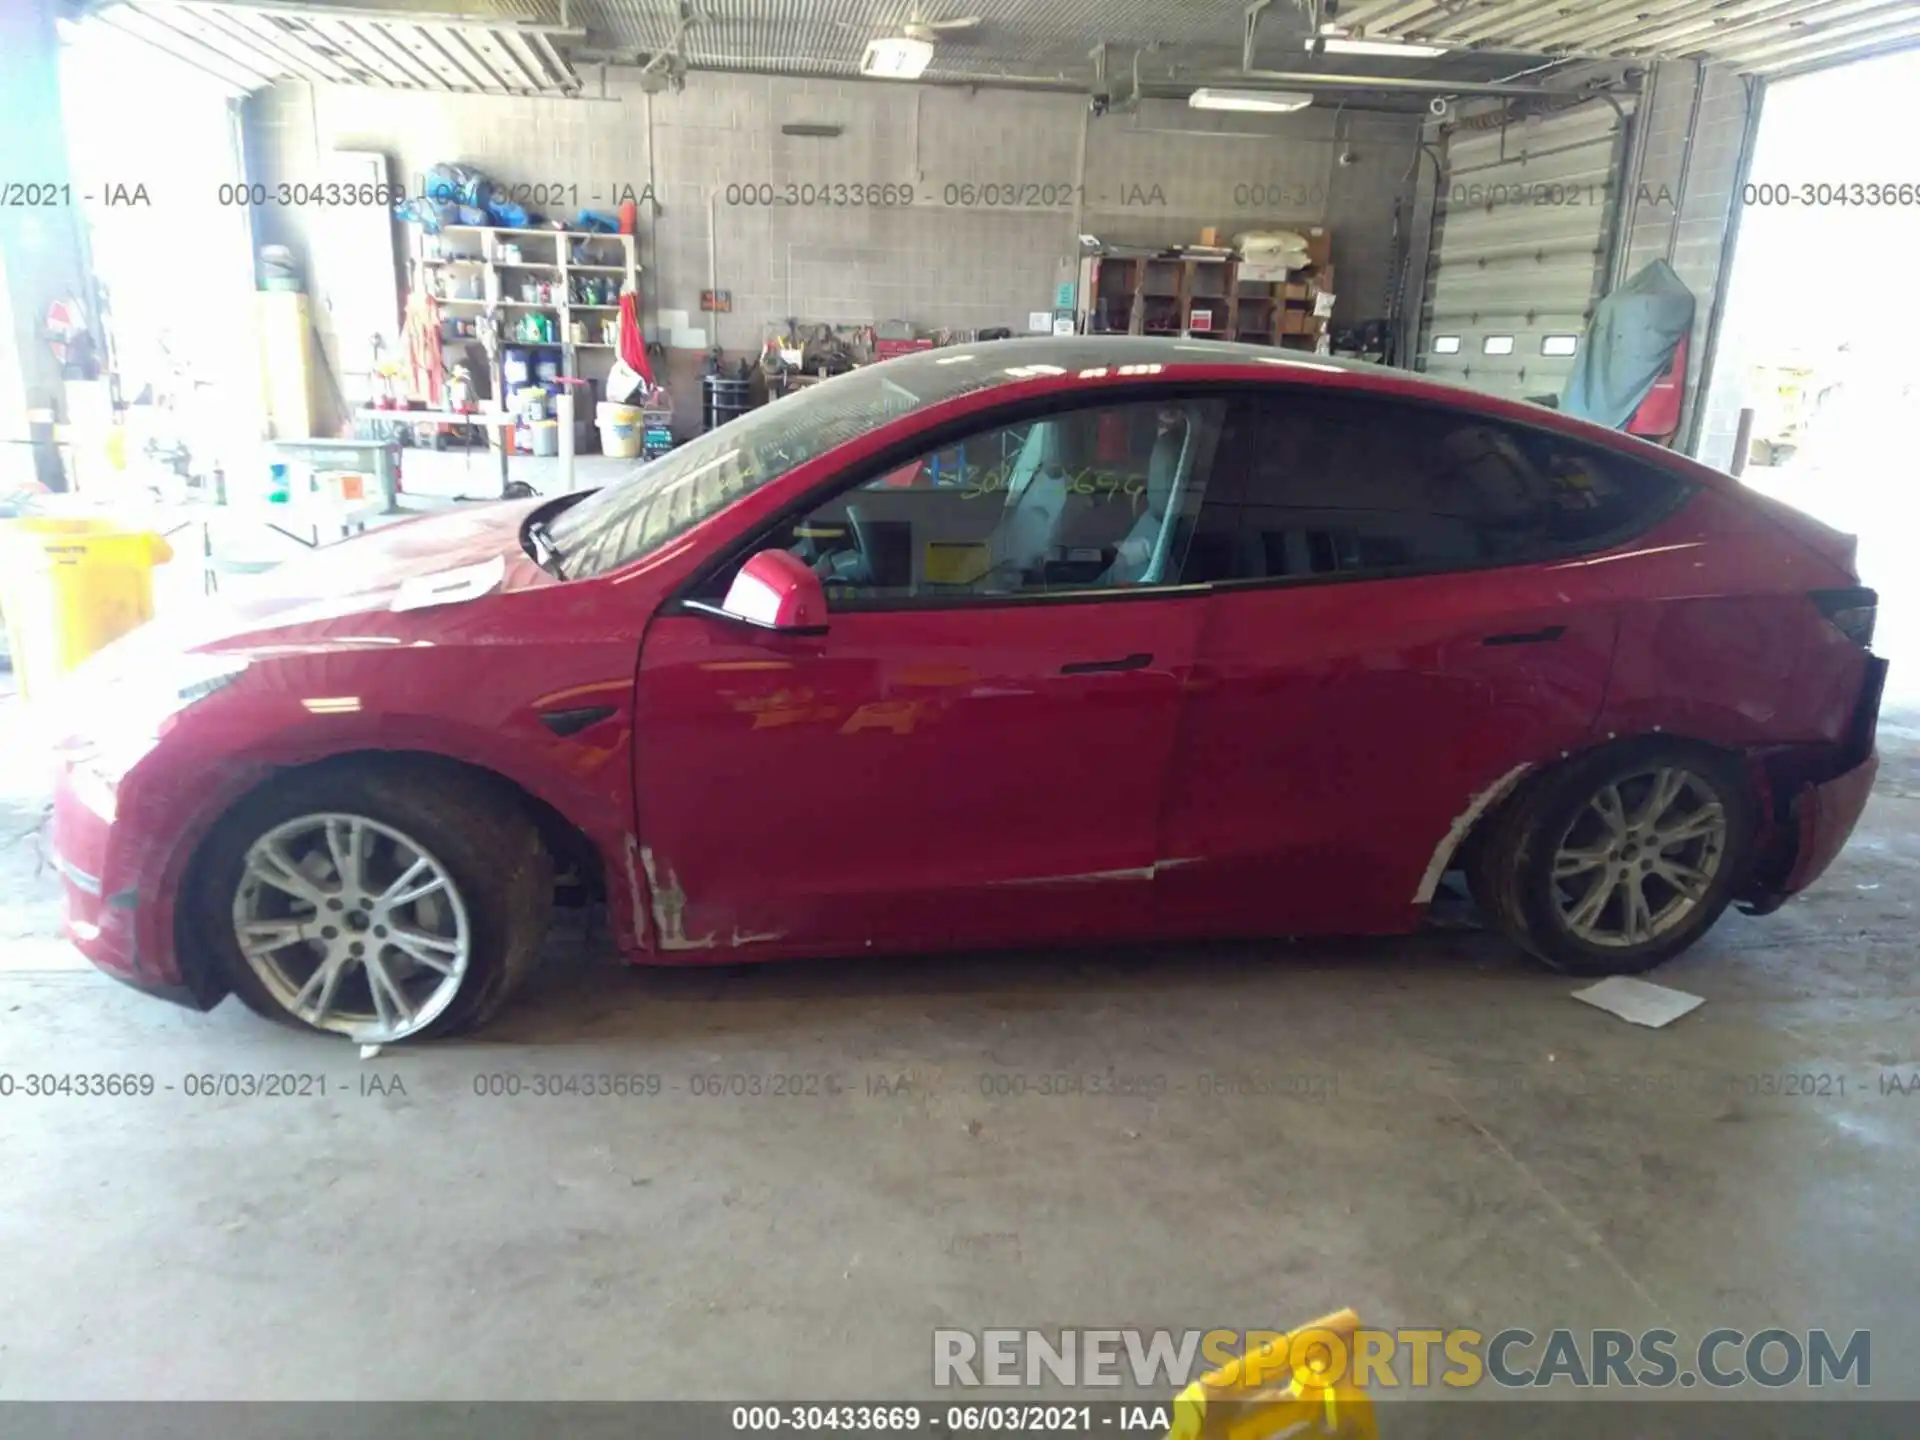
975,750
1400,631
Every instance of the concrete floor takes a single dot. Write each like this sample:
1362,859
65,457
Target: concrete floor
1454,1142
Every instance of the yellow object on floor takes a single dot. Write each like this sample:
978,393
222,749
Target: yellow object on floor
68,587
1264,1394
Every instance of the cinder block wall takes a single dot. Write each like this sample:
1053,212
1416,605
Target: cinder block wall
1156,175
1685,212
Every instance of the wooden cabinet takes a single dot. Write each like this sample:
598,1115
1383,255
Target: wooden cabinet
1212,297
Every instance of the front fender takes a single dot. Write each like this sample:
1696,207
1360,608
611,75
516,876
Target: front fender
200,771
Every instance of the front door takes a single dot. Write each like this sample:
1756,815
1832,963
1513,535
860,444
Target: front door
974,751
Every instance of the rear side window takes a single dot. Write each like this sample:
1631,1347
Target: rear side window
1339,485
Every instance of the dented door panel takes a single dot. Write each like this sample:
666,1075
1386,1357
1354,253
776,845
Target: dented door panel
1339,740
913,779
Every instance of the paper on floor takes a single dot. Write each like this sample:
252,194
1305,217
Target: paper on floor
1640,1002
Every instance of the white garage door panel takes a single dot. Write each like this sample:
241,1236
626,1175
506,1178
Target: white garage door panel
1525,219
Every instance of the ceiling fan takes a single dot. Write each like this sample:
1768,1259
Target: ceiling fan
919,29
906,55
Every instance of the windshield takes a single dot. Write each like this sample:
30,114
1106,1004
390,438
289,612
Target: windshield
669,496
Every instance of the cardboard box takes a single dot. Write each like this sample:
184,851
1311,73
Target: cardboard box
1210,235
1261,272
1300,322
1319,245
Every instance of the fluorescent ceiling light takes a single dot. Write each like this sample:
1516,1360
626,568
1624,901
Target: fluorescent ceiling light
896,57
1274,102
1332,42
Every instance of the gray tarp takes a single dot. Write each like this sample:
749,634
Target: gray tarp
1629,346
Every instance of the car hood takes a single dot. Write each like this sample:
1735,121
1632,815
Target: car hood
419,564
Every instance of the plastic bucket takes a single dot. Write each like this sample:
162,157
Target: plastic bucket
621,442
68,587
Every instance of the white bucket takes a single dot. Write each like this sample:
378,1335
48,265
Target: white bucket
618,440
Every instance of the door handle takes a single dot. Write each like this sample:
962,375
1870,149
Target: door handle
1136,661
1527,637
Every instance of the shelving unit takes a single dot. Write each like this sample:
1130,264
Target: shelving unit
1208,296
481,269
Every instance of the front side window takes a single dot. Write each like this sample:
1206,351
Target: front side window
1091,499
1339,485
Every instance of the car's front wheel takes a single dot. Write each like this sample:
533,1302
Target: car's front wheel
1620,860
378,902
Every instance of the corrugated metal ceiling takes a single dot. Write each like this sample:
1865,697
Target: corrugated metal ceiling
532,46
502,52
1765,37
1013,41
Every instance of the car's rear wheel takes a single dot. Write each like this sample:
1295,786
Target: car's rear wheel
375,904
1619,861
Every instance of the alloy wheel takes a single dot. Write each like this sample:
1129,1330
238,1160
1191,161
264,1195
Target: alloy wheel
1639,857
352,926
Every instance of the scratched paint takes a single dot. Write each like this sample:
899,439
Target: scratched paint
786,707
896,716
634,893
1462,823
1139,872
670,907
755,937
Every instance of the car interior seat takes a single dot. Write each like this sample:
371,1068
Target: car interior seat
1145,551
1029,526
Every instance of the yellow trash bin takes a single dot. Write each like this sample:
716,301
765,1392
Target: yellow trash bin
70,585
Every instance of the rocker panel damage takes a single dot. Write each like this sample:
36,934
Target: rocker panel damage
669,908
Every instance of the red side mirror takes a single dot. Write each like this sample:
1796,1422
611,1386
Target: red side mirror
778,591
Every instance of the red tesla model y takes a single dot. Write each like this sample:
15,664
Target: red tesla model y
1075,640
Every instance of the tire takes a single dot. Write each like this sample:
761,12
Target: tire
1561,817
483,924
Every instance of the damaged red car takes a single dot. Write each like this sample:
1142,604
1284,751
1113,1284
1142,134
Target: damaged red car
1068,640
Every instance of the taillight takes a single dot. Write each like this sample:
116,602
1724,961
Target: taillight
1851,611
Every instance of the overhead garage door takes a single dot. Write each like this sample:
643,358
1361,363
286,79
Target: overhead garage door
1520,254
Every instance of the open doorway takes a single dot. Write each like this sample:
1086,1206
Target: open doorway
1821,308
171,251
